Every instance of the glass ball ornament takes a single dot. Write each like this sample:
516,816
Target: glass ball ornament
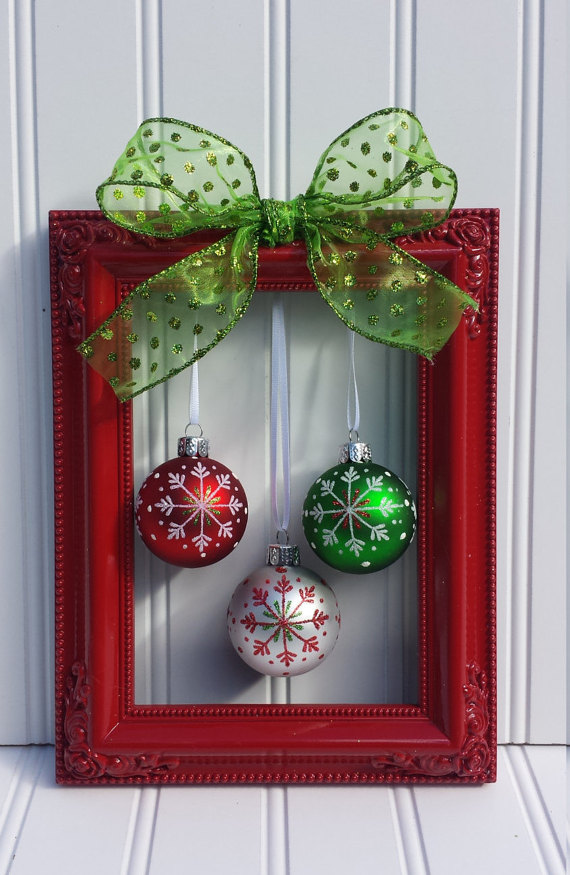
191,510
283,619
358,516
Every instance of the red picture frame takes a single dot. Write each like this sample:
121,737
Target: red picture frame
102,735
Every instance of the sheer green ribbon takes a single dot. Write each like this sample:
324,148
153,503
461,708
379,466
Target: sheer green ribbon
377,181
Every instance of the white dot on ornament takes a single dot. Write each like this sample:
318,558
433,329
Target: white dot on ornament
313,545
403,536
156,476
153,537
149,507
365,564
184,546
203,555
373,549
406,502
161,488
245,511
388,473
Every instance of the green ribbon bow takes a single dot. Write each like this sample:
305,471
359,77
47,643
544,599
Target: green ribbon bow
377,181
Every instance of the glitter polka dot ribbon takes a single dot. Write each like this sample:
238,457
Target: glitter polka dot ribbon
377,181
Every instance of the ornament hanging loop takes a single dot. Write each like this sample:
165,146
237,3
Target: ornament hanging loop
353,436
283,532
194,425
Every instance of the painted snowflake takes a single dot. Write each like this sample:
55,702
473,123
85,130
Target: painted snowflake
359,517
191,512
283,621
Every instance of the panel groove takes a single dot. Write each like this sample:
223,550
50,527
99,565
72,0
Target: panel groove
18,802
408,832
140,833
523,366
550,855
34,396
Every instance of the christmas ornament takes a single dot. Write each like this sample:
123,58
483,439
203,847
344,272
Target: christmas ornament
358,516
376,182
283,619
192,510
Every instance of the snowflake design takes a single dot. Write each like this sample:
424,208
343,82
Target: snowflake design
286,619
200,504
350,511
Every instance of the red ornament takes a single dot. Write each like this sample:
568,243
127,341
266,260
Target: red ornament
192,510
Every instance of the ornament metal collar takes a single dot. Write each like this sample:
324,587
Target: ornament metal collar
377,181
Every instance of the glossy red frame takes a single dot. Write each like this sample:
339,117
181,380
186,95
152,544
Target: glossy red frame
102,735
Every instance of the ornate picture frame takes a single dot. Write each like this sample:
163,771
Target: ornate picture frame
102,735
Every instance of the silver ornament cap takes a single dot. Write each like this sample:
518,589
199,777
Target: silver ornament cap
197,447
283,554
355,451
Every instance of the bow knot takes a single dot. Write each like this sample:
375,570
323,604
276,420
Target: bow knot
281,220
378,180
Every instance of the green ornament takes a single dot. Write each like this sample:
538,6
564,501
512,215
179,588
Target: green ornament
358,516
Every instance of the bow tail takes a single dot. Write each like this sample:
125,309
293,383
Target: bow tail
175,317
385,294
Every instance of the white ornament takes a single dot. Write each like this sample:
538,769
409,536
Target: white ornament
283,620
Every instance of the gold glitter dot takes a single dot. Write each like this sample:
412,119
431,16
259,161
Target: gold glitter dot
196,261
198,329
420,319
113,381
175,322
330,284
153,367
392,138
333,174
422,277
397,227
152,317
354,186
159,159
177,348
221,250
224,202
208,186
189,167
193,304
395,333
236,183
86,350
130,152
349,255
413,149
396,285
404,125
147,132
416,182
373,319
373,269
421,300
410,165
141,216
138,191
334,258
365,148
112,357
349,280
230,160
211,159
106,333
167,179
164,209
331,160
427,219
395,258
396,310
373,127
126,314
193,196
154,342
348,304
408,203
205,144
135,363
372,172
144,293
132,337
221,309
170,298
442,322
441,303
118,194
372,294
175,137
154,147
136,174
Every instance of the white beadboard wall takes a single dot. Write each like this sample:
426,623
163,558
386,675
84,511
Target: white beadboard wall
281,78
